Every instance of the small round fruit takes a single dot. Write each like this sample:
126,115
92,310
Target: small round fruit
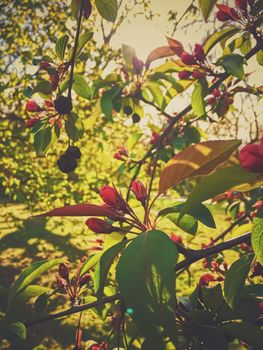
127,110
74,151
67,163
63,105
136,118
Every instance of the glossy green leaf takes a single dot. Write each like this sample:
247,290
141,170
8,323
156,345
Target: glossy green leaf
108,9
42,140
257,236
218,182
30,275
219,36
83,39
246,332
206,7
197,98
44,87
146,277
29,292
106,101
235,278
61,45
187,223
233,65
259,57
103,267
13,331
81,87
74,127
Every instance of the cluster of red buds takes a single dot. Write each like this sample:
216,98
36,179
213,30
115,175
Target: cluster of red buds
251,157
223,100
52,111
122,154
56,72
240,14
72,286
219,271
114,201
198,58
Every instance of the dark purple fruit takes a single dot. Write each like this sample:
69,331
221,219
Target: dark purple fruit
136,118
67,163
63,105
74,151
127,110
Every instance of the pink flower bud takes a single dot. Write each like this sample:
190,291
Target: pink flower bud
216,92
31,122
260,307
211,100
205,279
197,74
251,158
32,106
139,191
176,239
199,53
137,65
63,271
84,280
118,156
100,226
242,5
44,64
111,197
223,17
184,74
188,59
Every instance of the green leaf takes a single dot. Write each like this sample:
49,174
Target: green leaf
61,45
74,127
146,277
212,297
103,267
13,331
187,223
44,87
246,332
81,87
197,99
206,7
42,140
257,236
213,338
83,39
29,292
192,134
259,57
233,64
106,101
75,6
41,302
30,275
235,279
218,182
219,36
108,9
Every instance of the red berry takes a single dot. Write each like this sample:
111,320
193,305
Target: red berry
176,239
206,278
184,74
188,59
251,158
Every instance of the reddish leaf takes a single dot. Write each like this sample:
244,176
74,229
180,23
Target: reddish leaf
160,52
199,159
81,210
176,46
